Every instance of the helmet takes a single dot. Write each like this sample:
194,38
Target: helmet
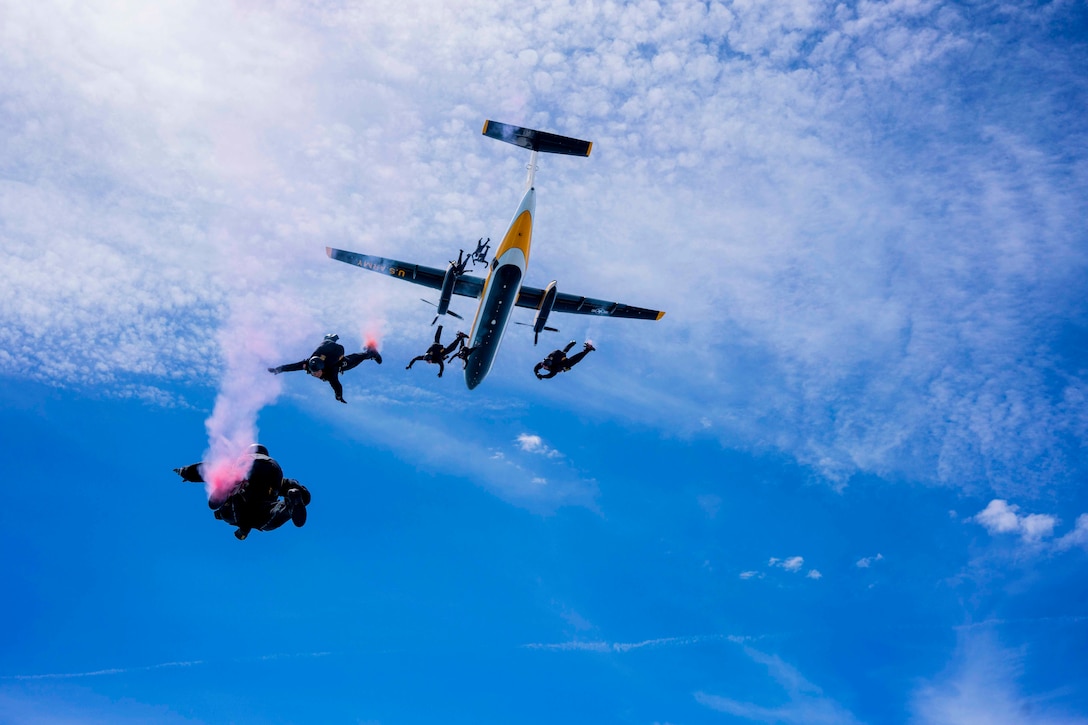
258,450
316,364
331,337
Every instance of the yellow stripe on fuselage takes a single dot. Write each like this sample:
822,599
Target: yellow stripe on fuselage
518,236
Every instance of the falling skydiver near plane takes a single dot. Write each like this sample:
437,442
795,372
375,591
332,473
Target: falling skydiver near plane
502,290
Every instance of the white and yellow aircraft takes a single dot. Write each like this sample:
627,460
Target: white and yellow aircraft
502,290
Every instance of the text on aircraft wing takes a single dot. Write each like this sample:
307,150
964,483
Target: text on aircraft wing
531,296
467,285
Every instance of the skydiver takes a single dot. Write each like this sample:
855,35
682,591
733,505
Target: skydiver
264,500
462,353
558,362
328,361
480,255
461,264
436,354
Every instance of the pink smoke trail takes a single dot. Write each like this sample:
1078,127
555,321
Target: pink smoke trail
373,330
245,387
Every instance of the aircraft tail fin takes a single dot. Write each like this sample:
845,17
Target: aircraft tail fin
542,141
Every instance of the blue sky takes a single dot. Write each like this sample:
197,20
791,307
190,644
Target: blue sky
840,482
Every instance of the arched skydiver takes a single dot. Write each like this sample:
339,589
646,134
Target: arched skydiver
480,255
328,361
462,353
264,500
436,354
558,362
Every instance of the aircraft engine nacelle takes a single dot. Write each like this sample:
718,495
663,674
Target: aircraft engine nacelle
540,321
448,283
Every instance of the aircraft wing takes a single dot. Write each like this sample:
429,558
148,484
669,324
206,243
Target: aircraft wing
531,296
467,285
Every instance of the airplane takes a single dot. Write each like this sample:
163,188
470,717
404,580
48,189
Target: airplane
502,290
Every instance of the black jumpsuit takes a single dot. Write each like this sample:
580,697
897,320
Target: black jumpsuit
259,502
332,354
436,353
558,362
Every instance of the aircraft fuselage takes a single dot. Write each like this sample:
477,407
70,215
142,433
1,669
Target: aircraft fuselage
500,292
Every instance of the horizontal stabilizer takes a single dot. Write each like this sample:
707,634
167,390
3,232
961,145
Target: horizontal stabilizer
542,141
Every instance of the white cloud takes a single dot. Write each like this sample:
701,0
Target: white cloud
814,574
1035,527
535,444
1000,517
793,563
751,575
866,562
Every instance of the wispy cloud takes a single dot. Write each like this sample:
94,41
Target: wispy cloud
807,702
104,672
527,479
160,666
868,561
623,647
1077,537
981,684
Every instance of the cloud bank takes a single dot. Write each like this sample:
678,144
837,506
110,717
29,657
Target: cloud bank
865,222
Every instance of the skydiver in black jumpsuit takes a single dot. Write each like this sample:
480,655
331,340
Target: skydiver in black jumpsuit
436,354
480,255
462,352
558,362
265,500
328,361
